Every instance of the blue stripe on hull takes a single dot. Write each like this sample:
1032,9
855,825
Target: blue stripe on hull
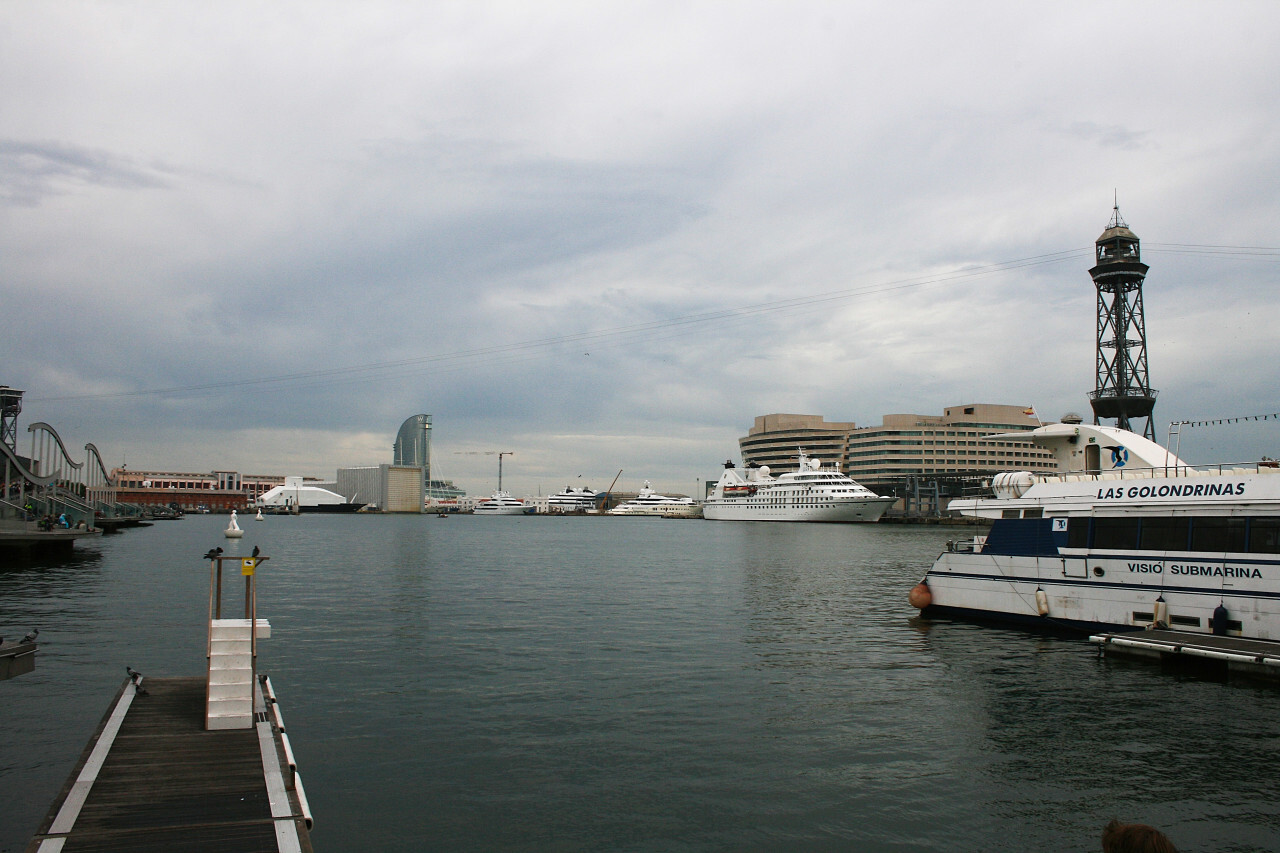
1086,583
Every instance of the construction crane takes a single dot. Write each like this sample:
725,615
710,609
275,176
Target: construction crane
604,502
497,453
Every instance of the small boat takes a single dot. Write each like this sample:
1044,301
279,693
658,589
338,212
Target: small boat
649,502
233,530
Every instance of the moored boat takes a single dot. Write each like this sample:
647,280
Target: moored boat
1125,536
808,494
501,503
649,502
297,496
573,500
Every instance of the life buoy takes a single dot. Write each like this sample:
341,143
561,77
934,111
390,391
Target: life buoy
920,596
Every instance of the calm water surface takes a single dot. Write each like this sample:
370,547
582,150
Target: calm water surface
584,684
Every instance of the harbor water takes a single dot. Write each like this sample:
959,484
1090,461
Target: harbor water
638,684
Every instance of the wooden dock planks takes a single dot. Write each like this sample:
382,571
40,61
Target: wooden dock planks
166,784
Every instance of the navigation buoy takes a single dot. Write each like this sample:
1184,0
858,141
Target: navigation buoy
233,530
1160,616
258,517
920,595
1042,602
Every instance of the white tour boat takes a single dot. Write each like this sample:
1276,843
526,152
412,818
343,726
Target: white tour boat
1127,536
649,502
808,494
501,503
573,500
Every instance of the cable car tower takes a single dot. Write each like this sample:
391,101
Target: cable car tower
10,407
1122,392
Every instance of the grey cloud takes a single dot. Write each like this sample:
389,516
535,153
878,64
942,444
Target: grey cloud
32,171
1108,135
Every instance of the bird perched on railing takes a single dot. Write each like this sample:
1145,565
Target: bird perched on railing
213,554
136,678
256,551
31,638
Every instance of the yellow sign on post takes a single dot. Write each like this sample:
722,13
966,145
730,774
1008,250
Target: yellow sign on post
246,566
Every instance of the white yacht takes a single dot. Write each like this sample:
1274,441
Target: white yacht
649,502
501,503
1127,536
296,495
573,500
807,494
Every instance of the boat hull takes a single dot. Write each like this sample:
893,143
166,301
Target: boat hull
501,510
1113,592
332,508
673,509
758,509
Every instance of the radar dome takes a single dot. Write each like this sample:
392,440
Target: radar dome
1072,418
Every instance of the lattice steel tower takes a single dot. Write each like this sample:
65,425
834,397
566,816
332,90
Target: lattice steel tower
10,407
1122,392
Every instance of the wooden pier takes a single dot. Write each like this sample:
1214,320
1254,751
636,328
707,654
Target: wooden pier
1205,653
153,778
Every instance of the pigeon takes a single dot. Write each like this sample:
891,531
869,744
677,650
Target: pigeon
31,638
256,552
136,678
213,553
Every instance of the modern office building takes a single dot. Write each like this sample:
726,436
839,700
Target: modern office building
775,440
952,444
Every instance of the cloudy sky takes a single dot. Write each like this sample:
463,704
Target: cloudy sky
606,236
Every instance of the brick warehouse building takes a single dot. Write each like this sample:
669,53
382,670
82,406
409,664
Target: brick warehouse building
217,491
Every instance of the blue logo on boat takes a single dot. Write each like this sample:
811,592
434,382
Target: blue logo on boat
1119,455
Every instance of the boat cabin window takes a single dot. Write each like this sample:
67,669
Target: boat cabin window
1264,535
1218,534
1206,534
1113,533
1037,512
1078,533
1165,534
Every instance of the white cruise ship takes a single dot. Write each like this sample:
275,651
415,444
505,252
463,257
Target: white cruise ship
1126,536
808,494
573,500
649,502
501,503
